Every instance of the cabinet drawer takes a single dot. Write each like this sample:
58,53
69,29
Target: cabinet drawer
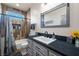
40,48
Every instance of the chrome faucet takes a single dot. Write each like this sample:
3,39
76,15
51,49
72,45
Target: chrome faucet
46,32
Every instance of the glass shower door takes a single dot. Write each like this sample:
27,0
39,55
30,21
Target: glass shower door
2,32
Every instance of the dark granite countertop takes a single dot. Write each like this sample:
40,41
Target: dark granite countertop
61,47
64,48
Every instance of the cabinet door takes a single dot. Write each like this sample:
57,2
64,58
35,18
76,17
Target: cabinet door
40,48
39,54
34,53
53,53
30,52
30,43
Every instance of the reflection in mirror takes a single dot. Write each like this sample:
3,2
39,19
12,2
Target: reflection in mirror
56,17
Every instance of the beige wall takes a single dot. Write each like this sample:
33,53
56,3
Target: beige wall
66,31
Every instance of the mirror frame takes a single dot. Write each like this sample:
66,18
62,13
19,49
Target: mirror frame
53,9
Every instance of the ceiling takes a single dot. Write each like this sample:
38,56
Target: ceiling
22,6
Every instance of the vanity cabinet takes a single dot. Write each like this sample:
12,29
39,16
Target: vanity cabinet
36,49
31,52
40,50
30,43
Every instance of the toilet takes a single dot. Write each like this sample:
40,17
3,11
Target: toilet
21,46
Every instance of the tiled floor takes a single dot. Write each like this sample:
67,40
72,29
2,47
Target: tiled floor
19,54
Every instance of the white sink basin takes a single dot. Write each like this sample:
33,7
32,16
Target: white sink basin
44,39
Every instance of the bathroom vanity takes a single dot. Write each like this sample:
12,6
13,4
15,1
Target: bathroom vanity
36,49
56,48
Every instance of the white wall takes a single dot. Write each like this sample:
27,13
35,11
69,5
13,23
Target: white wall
48,6
65,31
35,15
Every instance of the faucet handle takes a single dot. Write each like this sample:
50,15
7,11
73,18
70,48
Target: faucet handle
45,34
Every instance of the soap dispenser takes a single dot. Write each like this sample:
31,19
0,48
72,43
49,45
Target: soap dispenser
53,35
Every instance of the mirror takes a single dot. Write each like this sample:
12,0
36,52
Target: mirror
56,17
